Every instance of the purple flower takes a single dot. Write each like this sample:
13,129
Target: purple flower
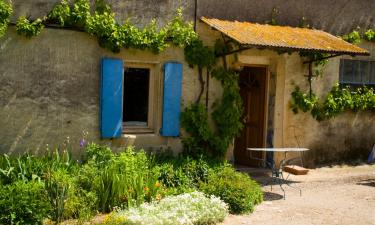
82,143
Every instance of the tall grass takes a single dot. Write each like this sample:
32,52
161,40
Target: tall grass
127,180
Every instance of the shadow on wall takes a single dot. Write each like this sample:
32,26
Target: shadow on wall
349,138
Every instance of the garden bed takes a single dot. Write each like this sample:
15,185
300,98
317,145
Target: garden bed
126,185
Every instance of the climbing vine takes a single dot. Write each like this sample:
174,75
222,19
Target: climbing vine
5,13
226,115
369,35
103,25
201,56
29,29
355,37
337,101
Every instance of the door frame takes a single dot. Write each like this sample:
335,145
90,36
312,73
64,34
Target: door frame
266,100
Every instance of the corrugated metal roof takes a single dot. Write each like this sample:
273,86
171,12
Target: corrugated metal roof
283,37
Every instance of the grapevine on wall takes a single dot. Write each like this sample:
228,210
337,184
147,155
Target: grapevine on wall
103,25
338,100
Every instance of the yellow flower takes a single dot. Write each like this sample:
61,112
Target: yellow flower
147,189
157,184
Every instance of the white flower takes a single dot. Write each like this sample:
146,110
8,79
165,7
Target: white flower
185,209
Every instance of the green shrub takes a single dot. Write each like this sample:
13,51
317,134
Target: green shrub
58,185
190,208
101,155
183,174
28,28
67,198
127,180
23,203
6,11
236,189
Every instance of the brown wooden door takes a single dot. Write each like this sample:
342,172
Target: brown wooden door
253,93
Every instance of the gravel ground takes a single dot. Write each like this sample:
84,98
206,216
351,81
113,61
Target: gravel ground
343,195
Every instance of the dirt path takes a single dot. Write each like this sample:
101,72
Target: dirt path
341,195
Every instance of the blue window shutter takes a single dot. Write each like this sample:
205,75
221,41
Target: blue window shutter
112,73
172,99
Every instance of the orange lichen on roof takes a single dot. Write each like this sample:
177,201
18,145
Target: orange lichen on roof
284,37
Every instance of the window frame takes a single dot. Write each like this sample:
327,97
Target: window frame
153,76
354,83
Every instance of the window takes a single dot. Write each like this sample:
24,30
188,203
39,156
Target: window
357,72
137,100
136,94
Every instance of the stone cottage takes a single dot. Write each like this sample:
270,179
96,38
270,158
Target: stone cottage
55,85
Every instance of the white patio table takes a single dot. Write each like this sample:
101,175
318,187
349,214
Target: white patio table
277,172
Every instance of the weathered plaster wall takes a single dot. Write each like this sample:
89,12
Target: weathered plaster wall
50,91
140,12
349,136
334,16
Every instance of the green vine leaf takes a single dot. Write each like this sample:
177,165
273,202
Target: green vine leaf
197,54
353,37
29,29
369,35
180,32
60,14
226,115
6,11
338,100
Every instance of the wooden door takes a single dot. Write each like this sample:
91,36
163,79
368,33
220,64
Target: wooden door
253,92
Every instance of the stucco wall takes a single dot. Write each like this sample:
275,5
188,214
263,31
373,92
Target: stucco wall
348,136
334,16
337,17
50,91
140,12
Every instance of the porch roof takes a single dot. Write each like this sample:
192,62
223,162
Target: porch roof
283,37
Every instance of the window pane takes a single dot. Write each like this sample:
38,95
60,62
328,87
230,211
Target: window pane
346,75
364,71
358,72
372,73
136,93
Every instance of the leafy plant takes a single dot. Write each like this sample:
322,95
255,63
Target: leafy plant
236,189
60,14
189,208
100,155
58,185
338,100
127,180
197,54
80,12
369,35
181,33
226,115
195,121
23,203
302,101
353,37
29,29
6,11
